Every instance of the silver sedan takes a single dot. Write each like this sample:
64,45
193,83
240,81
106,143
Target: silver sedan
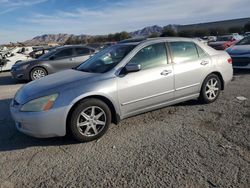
119,82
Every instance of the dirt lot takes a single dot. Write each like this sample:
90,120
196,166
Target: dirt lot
185,145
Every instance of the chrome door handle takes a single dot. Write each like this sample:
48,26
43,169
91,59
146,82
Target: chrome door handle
71,59
166,72
204,62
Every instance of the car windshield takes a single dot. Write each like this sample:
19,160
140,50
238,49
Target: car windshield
106,59
245,41
224,38
46,55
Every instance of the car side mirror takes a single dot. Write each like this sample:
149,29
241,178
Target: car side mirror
132,67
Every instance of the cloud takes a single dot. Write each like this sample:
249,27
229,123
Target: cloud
115,16
11,5
132,15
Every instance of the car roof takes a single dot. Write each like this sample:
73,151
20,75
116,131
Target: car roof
74,46
150,41
137,41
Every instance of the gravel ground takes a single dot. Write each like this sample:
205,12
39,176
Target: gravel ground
185,145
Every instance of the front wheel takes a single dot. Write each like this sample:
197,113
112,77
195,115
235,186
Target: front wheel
211,88
37,73
90,120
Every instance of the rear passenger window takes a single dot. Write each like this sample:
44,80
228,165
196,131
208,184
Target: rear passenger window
82,51
64,53
184,51
151,56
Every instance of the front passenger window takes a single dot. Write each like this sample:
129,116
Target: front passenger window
151,56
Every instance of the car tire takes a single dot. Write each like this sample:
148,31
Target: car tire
210,89
89,120
37,73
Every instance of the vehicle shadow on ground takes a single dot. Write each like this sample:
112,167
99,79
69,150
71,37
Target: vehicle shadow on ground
241,71
11,139
193,102
8,80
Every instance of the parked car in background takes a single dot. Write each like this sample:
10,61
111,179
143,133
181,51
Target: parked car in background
36,53
246,34
204,41
101,46
13,56
25,50
119,82
3,62
65,57
240,53
237,36
209,38
223,42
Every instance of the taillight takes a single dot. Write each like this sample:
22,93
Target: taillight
229,60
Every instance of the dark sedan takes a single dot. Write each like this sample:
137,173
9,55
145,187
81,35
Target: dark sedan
240,54
58,59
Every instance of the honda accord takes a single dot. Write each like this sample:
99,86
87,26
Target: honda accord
119,82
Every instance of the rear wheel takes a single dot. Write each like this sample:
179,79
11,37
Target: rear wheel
37,73
90,120
211,88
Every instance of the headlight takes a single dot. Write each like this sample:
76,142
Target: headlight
40,104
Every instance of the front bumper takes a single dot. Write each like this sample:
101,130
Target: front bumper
19,74
40,124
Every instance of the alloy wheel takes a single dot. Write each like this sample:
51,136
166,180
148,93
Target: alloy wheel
91,121
37,74
212,89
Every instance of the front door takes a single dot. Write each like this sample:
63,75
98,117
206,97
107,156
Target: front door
149,87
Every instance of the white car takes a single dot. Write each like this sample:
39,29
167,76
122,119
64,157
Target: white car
15,55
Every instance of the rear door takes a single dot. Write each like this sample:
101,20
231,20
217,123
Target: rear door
82,54
191,65
63,59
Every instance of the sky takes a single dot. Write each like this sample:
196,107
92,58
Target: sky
24,19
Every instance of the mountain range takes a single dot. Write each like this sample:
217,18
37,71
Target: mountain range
147,31
62,38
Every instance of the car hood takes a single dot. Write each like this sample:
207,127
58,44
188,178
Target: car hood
51,83
239,50
21,63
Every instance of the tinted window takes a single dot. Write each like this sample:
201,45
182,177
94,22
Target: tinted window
64,53
183,51
82,51
151,56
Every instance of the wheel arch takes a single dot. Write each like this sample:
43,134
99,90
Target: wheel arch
114,115
220,77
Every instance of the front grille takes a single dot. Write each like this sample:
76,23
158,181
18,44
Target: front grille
241,61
